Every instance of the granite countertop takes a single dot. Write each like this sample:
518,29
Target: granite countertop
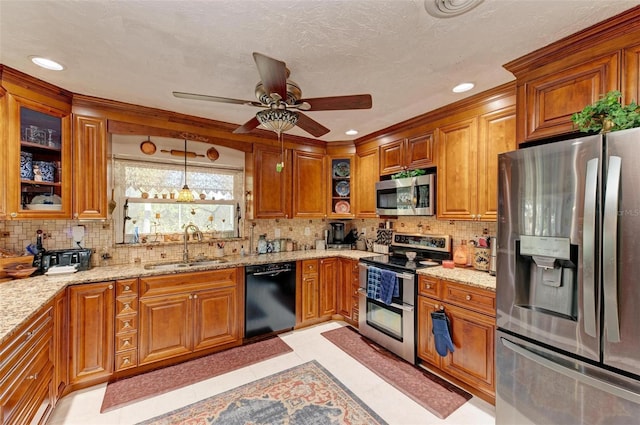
467,276
20,299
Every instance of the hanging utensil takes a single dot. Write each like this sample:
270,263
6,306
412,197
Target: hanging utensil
176,152
112,203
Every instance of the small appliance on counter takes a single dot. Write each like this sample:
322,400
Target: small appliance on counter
80,258
339,238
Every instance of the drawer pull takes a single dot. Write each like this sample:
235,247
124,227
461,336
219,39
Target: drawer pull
428,286
126,343
28,335
110,286
127,287
32,377
126,324
468,297
126,361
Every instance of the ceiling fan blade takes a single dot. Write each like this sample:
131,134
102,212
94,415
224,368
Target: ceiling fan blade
248,126
273,74
338,103
311,126
194,96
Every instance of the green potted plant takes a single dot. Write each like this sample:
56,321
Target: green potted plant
607,114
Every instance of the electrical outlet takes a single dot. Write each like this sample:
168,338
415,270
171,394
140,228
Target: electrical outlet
277,233
364,231
307,231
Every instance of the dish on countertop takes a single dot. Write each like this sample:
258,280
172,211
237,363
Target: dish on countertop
342,207
341,169
19,271
429,263
342,188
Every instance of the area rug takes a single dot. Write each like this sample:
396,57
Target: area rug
430,391
129,390
303,395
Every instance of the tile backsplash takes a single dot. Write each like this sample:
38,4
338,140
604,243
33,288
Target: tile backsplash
17,235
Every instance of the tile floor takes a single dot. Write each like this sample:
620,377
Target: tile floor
83,407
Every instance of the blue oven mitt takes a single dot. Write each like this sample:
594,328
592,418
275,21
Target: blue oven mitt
441,333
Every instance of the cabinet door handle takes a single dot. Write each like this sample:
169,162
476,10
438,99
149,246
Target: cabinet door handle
110,286
32,377
479,217
428,286
126,361
195,296
28,335
127,288
468,298
190,296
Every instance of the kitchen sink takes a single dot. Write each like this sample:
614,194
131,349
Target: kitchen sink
179,265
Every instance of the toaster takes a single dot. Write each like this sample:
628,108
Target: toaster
80,257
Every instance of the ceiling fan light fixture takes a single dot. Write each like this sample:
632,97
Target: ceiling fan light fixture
277,120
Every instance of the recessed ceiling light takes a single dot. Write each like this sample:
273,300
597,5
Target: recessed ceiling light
461,88
351,132
46,63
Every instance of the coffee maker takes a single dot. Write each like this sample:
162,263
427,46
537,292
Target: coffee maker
337,237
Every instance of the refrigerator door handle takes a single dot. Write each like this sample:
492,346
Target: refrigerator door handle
609,250
571,373
589,245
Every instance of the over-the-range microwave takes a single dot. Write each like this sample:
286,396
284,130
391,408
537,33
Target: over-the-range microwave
406,196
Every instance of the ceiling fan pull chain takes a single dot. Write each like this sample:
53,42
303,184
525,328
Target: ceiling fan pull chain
280,165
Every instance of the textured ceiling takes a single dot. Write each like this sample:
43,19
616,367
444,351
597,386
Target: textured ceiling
141,51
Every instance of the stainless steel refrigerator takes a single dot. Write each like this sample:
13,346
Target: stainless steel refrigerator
568,282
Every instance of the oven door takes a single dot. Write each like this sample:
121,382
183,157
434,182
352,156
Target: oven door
390,325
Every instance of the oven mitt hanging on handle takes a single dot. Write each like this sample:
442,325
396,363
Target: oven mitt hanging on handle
441,333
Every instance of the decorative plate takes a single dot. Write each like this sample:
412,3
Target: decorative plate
341,169
342,207
342,188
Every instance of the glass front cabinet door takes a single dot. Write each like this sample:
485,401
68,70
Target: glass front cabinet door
38,159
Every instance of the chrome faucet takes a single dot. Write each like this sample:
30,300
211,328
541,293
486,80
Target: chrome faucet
196,233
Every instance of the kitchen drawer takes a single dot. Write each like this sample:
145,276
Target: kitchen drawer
126,341
127,287
126,305
126,323
470,297
429,286
23,341
187,282
310,267
126,360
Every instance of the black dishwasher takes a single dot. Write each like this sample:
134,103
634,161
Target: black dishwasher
270,298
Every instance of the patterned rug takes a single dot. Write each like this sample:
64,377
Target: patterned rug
303,395
430,391
140,387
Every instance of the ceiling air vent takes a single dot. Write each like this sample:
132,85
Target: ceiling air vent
449,8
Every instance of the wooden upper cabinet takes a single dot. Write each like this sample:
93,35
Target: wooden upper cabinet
341,189
407,153
551,99
90,167
272,194
365,180
631,74
497,135
309,184
457,170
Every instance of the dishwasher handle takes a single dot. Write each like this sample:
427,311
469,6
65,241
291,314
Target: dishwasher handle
270,272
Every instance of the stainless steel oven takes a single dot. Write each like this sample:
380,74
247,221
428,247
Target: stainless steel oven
390,325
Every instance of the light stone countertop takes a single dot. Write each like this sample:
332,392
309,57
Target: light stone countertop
20,299
466,276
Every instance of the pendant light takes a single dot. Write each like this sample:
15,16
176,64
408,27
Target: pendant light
185,194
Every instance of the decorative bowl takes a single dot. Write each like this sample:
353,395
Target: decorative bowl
411,255
19,271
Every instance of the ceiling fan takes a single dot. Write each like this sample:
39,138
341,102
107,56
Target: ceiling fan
281,101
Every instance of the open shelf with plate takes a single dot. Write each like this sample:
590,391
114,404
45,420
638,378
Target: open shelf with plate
341,189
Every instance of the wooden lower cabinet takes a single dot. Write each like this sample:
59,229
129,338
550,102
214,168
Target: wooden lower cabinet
189,312
317,288
27,390
472,333
91,332
347,305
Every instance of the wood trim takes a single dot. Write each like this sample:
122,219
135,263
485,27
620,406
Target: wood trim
24,85
625,22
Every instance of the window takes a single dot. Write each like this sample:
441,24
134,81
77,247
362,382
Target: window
151,189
